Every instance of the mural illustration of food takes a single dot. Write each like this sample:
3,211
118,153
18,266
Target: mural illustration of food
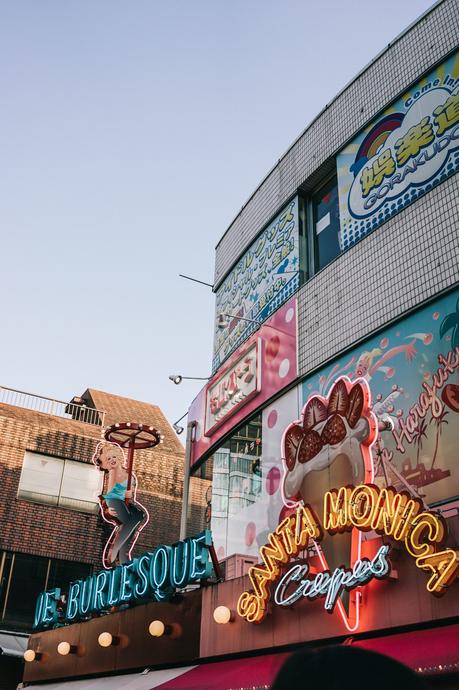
328,448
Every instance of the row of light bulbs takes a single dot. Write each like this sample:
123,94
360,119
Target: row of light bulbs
222,615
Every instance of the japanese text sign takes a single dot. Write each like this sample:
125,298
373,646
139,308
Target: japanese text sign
234,388
409,149
263,279
263,366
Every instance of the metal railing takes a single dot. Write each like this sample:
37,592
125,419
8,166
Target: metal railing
39,403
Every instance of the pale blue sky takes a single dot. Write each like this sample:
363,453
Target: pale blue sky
131,133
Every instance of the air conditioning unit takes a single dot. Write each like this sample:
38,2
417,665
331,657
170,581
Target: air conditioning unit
237,565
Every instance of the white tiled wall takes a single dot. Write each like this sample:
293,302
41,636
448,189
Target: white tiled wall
404,262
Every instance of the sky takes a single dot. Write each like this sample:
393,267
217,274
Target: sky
131,134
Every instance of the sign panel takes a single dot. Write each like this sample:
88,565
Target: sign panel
361,508
263,279
276,346
412,369
411,148
233,388
337,442
153,576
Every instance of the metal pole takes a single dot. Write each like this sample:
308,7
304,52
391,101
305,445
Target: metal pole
186,480
130,463
195,280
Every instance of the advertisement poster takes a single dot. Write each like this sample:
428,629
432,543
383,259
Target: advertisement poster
410,376
265,277
259,369
412,147
412,370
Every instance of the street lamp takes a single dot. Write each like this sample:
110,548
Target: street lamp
178,378
176,426
222,320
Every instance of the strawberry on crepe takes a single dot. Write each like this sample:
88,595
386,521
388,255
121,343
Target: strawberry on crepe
330,428
330,447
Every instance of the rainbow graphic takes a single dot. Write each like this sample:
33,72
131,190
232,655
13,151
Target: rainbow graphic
375,139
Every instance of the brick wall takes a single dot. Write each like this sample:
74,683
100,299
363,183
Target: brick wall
66,534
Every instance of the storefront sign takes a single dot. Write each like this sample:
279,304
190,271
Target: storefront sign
234,388
262,280
332,444
152,576
402,155
330,585
261,368
365,508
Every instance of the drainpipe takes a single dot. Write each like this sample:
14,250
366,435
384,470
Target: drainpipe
186,479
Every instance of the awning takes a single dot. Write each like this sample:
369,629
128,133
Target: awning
252,672
431,651
12,644
130,681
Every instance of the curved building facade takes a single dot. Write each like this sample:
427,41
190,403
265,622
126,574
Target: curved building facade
322,452
337,313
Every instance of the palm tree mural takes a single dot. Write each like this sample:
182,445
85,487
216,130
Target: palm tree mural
439,422
451,323
419,434
450,393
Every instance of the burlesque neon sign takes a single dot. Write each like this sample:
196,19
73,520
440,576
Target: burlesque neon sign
152,576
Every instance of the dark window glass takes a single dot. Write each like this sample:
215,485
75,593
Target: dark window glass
24,577
5,569
62,573
326,223
28,579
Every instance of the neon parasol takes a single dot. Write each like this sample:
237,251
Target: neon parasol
133,437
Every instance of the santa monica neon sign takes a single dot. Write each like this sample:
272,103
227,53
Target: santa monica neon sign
365,507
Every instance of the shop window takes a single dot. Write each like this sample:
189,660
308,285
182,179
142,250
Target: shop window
62,573
23,577
325,209
231,481
59,482
23,581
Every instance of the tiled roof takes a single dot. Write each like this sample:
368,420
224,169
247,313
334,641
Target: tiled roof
120,409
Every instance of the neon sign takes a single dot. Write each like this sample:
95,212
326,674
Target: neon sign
364,507
330,585
152,576
119,506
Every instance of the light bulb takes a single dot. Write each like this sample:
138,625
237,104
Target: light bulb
222,615
63,648
156,628
105,639
29,655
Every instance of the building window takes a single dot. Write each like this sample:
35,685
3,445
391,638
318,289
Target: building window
59,482
325,208
23,577
231,480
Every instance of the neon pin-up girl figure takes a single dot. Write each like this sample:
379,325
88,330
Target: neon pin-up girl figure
118,502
